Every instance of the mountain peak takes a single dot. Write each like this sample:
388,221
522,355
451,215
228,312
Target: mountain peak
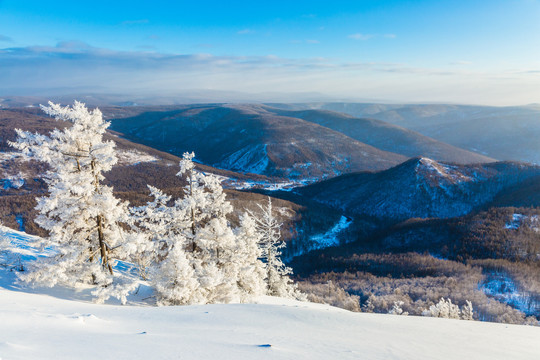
439,174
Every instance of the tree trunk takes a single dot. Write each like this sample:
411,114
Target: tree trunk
192,211
101,237
103,248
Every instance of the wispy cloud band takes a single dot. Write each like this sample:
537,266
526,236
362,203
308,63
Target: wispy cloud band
360,36
78,65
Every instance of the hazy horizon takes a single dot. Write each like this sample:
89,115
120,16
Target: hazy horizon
201,96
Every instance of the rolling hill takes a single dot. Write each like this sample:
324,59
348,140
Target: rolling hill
421,188
386,136
503,133
249,139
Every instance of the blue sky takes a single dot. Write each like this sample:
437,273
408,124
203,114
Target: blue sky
485,52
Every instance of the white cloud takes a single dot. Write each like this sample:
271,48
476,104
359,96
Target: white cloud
359,36
461,62
78,67
244,32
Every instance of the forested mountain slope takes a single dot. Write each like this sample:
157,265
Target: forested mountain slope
249,139
386,136
421,187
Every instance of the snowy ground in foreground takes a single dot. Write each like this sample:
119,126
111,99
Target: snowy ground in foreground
64,324
37,326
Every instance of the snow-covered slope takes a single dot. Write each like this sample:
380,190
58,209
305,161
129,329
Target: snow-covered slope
64,324
39,326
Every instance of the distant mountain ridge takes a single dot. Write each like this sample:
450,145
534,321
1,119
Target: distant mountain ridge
386,136
421,188
503,133
260,139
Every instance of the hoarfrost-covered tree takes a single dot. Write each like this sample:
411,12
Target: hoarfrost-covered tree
467,312
210,238
81,214
195,255
153,222
163,256
369,305
443,309
251,271
277,273
397,310
175,282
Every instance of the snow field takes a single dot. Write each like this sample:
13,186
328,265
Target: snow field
38,326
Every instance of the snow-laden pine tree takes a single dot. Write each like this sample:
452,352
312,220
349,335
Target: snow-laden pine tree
153,222
211,242
251,270
192,252
277,273
81,214
163,256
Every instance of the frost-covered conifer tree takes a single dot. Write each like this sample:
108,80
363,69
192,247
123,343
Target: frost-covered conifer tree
210,240
277,273
81,214
196,256
174,277
163,253
153,222
251,270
